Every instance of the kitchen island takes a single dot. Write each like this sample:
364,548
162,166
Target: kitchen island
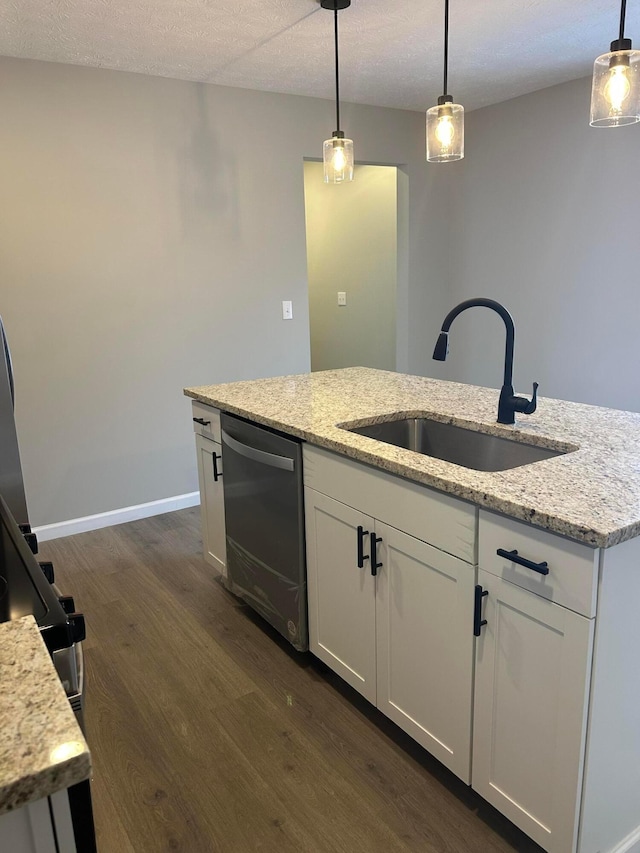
591,494
490,614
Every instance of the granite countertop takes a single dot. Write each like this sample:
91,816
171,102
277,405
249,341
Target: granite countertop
42,749
591,494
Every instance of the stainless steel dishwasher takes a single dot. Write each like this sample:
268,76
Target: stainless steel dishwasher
264,514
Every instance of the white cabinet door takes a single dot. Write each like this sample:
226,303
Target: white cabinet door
533,660
424,622
212,503
342,610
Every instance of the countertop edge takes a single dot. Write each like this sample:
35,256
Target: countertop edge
47,722
586,535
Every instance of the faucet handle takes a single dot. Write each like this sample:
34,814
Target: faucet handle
531,405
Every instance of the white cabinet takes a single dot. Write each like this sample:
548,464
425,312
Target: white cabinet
392,614
425,645
571,577
341,596
532,680
557,687
533,664
447,523
43,826
206,421
550,685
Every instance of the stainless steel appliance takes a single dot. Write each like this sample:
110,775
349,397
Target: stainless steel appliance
28,587
263,504
25,589
68,658
11,486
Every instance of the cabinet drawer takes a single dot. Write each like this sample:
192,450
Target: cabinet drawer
211,417
572,579
446,522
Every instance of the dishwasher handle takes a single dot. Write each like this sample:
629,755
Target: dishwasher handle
272,459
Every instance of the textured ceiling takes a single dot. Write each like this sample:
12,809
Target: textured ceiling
390,50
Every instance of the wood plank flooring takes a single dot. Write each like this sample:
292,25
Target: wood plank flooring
210,733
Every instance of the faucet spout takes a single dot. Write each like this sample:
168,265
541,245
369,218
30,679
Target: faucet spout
442,347
508,403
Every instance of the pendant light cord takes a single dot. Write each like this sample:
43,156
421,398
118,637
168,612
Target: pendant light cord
623,9
446,42
335,28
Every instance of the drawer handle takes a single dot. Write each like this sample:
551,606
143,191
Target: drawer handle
201,421
541,568
361,555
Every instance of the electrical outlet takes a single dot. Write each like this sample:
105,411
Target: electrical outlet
342,297
287,309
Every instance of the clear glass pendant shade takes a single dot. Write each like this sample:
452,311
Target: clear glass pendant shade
337,156
615,94
445,133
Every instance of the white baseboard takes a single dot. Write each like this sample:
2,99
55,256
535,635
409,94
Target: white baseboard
115,516
630,844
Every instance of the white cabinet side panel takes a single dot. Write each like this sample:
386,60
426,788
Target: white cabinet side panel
611,799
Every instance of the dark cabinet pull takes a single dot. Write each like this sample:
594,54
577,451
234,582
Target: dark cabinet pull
47,571
375,565
201,421
361,555
216,474
478,621
67,603
31,538
78,627
542,568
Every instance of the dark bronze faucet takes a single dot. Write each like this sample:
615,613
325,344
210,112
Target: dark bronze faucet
509,403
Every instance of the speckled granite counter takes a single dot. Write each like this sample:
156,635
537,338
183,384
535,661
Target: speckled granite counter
591,494
42,749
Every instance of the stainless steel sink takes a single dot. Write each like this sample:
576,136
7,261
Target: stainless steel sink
456,444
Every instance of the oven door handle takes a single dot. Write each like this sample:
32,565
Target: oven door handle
272,459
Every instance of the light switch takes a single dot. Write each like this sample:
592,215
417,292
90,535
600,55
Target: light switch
342,297
287,310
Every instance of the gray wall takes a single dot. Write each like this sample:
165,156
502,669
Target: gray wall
544,218
149,230
352,247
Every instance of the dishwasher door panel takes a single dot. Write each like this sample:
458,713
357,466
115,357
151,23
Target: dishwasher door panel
265,525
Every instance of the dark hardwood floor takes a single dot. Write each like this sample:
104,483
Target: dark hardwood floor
210,733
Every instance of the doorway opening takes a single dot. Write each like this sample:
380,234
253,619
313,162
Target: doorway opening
352,267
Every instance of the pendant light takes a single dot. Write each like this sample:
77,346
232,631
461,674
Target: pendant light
445,122
615,94
337,152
